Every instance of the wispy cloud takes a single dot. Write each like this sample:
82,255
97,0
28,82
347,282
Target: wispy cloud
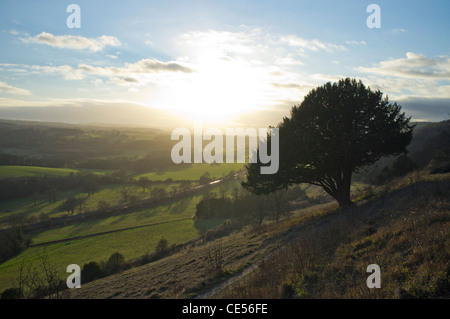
6,88
73,42
355,42
311,45
399,30
413,66
128,74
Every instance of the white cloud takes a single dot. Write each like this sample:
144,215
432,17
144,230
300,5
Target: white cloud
310,45
6,88
413,66
355,42
131,73
73,42
399,30
155,66
68,72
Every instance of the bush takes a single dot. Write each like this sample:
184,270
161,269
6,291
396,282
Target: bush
12,242
114,264
11,293
161,247
91,271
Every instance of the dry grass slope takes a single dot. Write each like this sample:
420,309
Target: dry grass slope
406,232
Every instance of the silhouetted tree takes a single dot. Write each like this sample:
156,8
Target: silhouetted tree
90,184
70,204
91,271
143,182
114,263
162,246
126,192
337,129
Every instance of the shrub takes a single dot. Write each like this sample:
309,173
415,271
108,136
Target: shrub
114,264
162,246
12,242
91,271
11,293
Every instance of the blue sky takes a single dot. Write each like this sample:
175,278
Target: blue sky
222,60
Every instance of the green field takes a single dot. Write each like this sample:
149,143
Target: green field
11,171
184,208
133,234
191,172
130,243
7,171
194,171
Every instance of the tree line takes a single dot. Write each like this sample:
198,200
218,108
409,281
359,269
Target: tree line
248,205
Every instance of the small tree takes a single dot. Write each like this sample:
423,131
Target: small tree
91,271
115,263
143,182
70,204
162,246
90,184
126,192
213,260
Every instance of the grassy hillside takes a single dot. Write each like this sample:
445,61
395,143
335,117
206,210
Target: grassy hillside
406,232
317,252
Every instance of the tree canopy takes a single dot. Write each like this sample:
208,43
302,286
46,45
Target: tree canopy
336,130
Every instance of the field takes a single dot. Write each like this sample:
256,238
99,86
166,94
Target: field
194,172
7,171
25,207
133,233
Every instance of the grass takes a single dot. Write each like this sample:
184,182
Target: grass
194,172
110,193
9,171
13,171
130,243
151,224
405,231
176,210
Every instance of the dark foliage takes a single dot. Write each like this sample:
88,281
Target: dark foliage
336,130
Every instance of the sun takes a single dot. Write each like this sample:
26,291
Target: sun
216,92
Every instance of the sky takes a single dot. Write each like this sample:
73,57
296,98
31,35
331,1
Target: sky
222,62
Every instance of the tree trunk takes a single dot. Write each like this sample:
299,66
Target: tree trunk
344,190
339,188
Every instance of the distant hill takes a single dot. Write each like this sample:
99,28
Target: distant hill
428,138
426,141
99,114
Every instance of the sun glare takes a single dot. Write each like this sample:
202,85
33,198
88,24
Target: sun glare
226,82
216,92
